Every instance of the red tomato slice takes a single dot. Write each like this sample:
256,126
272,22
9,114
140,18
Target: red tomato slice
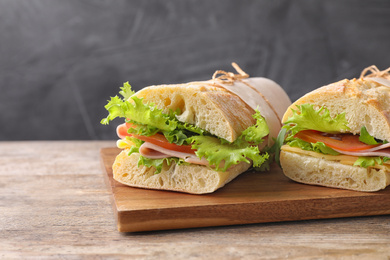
157,139
160,140
130,125
343,142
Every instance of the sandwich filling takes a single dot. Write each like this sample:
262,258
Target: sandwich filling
316,131
161,138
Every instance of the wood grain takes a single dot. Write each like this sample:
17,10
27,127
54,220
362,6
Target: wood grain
54,204
250,198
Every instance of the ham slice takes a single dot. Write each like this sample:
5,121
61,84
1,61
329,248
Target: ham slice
266,96
382,152
379,147
153,151
120,130
383,81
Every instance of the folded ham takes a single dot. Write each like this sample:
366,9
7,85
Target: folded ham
153,151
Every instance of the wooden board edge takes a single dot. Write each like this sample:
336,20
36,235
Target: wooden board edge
251,213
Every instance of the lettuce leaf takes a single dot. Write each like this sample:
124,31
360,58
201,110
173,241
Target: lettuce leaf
306,117
223,155
137,111
126,91
159,163
191,128
140,129
318,147
365,137
137,143
178,137
368,161
256,133
117,106
278,142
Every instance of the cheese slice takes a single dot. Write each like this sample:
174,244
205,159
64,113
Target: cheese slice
343,159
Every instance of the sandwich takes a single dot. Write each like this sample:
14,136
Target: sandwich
198,136
338,135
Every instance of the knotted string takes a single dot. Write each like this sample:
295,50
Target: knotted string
374,72
229,78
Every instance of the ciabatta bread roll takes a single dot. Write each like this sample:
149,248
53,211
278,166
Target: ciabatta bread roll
210,133
348,147
193,178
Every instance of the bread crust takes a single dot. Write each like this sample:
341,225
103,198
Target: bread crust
317,171
211,108
195,179
364,101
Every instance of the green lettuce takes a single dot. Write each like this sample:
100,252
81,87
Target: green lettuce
137,143
140,113
117,106
318,147
306,117
368,161
159,163
278,142
223,155
366,138
126,91
258,131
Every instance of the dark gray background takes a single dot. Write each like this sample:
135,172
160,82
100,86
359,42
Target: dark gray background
61,60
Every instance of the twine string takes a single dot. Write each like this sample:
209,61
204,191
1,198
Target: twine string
229,78
374,72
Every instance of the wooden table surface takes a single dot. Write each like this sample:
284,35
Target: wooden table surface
54,204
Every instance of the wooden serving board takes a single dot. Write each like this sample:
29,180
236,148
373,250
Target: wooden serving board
250,198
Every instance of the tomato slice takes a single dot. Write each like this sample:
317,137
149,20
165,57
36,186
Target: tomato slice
157,139
160,140
130,125
342,142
